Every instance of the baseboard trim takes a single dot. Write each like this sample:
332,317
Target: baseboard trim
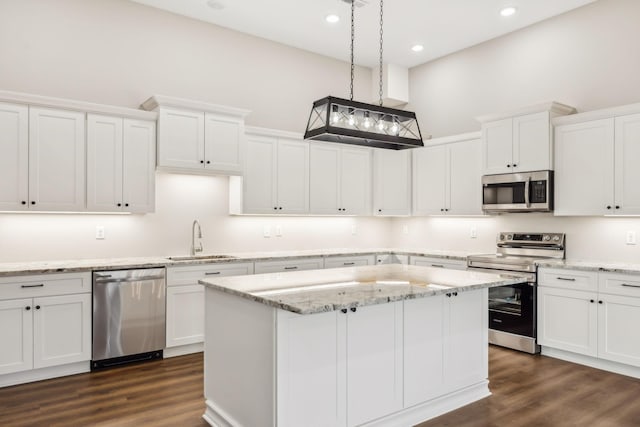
216,417
592,362
33,375
183,349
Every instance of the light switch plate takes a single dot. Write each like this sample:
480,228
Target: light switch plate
99,232
631,237
266,231
278,230
473,233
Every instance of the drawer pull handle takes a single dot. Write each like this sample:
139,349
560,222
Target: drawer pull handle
627,285
437,265
349,263
568,279
40,285
291,268
211,273
496,320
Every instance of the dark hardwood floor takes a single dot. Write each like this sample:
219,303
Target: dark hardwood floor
527,391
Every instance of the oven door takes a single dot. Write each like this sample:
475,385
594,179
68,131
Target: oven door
512,309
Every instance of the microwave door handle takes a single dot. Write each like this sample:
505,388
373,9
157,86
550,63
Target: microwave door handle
527,184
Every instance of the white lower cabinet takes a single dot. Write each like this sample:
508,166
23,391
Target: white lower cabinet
455,321
185,300
298,264
349,261
424,261
45,321
596,323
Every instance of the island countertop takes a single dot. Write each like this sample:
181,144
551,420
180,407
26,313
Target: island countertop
316,291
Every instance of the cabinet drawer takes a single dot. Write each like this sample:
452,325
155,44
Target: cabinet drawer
298,264
619,284
189,275
349,261
14,287
424,261
568,279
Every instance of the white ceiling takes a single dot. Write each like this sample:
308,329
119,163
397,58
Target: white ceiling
442,26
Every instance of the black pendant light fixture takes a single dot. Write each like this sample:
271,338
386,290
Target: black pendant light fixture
350,122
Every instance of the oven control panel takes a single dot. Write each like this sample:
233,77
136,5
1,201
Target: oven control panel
515,238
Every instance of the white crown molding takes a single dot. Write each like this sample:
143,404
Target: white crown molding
258,131
453,138
555,108
69,104
606,113
158,101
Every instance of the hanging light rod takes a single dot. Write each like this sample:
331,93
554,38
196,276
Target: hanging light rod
350,122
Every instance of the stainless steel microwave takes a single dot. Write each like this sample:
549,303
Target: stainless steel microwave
518,192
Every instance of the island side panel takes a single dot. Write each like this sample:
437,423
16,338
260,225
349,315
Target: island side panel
239,360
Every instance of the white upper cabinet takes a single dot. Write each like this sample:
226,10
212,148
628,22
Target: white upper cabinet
14,157
447,176
339,179
197,137
520,141
120,164
391,182
596,156
276,176
56,160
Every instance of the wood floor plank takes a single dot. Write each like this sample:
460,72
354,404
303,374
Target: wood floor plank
527,391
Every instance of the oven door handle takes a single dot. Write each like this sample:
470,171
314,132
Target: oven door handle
527,185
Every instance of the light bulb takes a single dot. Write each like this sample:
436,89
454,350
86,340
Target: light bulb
394,128
335,116
352,120
367,122
380,126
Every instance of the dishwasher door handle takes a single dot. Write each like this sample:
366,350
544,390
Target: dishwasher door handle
109,279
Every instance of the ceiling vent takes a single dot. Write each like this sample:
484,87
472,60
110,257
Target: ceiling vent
359,3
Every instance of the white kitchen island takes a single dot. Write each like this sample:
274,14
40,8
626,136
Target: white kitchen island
386,345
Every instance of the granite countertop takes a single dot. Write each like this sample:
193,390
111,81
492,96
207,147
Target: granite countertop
591,266
81,265
316,291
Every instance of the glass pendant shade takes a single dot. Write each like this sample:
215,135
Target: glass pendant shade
350,122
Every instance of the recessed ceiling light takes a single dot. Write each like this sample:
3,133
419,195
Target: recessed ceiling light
508,11
417,48
332,19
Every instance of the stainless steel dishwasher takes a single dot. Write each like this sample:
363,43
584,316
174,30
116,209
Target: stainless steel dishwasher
128,316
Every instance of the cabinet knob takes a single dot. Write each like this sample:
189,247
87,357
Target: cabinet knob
27,308
126,204
37,307
119,204
275,208
280,208
455,294
33,202
353,309
600,302
201,162
208,162
379,210
23,202
508,166
514,165
448,295
617,207
446,210
591,301
344,310
608,207
441,210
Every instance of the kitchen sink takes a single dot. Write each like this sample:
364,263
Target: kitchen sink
199,257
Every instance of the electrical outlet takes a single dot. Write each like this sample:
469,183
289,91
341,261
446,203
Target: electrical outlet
473,233
266,231
99,232
631,237
278,230
405,229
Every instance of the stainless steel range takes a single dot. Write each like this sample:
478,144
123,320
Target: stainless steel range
512,309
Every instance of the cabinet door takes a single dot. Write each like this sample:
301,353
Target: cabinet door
430,183
355,181
181,139
423,349
465,178
627,172
497,145
584,159
61,330
185,315
466,342
392,182
324,179
16,335
14,157
567,320
56,160
374,344
293,176
104,163
139,166
224,148
349,261
259,185
311,369
532,142
617,339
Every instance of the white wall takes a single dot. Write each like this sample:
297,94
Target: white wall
120,53
587,58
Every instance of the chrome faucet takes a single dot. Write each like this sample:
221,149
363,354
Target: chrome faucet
194,249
